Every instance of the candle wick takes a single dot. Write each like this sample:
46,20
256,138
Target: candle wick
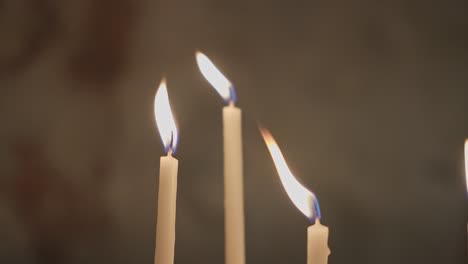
171,145
231,103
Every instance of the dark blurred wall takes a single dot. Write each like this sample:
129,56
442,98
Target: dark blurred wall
368,100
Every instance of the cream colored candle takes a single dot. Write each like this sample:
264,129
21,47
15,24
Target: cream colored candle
466,164
165,228
317,244
305,201
233,186
466,178
233,167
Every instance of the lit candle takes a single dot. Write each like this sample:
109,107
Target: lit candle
165,229
233,168
305,201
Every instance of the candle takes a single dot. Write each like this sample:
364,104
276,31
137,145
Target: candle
305,201
233,168
466,177
317,243
165,229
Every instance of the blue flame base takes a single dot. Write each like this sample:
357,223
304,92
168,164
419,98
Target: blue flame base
317,214
232,95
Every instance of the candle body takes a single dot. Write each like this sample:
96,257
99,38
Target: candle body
317,244
165,229
233,186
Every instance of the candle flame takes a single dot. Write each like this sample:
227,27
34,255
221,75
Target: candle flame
466,163
214,76
164,119
305,200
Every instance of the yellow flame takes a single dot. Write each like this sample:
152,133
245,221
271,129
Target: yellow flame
466,163
214,76
299,195
164,118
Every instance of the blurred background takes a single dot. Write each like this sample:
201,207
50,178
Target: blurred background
368,101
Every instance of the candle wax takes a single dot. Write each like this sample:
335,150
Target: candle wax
233,186
317,244
165,229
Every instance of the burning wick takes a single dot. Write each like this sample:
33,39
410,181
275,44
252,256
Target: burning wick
304,200
214,76
165,119
318,213
234,228
165,228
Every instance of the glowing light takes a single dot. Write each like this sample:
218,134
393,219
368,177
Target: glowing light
466,163
164,119
304,199
221,84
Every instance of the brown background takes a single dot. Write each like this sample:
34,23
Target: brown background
368,100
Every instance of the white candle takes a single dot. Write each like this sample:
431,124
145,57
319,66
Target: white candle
233,186
165,229
317,244
305,201
466,178
233,168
